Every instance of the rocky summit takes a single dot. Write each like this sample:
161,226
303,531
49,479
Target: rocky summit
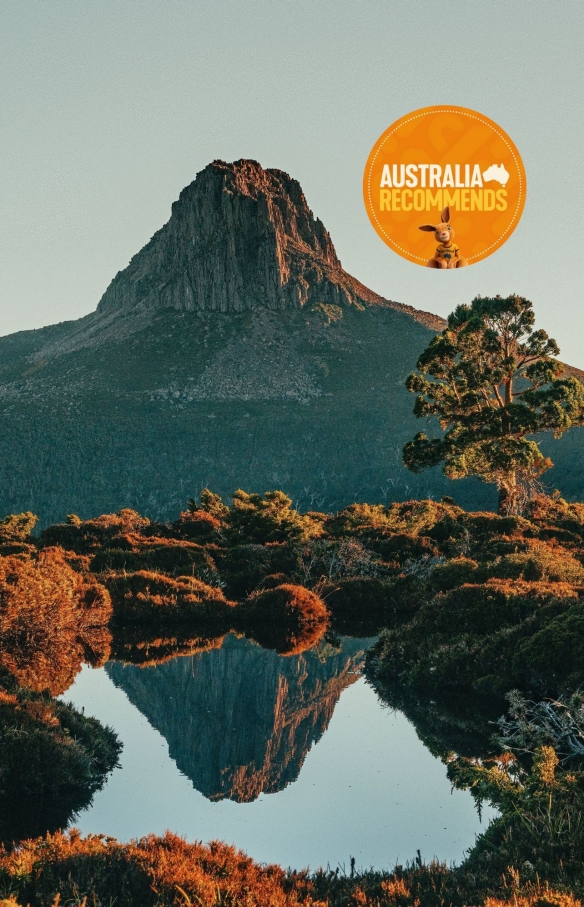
239,238
233,351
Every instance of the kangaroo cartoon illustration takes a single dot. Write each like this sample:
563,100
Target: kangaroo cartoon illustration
447,254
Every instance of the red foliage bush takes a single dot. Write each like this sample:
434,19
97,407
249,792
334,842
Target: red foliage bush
52,618
197,524
287,618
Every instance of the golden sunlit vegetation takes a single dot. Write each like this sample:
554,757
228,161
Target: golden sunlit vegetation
471,606
286,617
168,872
413,569
52,618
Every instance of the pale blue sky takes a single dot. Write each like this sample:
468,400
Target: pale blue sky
109,107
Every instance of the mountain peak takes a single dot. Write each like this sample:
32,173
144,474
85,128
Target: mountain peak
238,237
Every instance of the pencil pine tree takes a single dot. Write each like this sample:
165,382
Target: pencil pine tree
493,382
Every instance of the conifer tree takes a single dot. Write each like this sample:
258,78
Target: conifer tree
493,382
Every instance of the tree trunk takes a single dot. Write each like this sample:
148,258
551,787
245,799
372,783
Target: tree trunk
508,496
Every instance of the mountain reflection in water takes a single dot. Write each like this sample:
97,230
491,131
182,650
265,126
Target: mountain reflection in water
358,782
240,720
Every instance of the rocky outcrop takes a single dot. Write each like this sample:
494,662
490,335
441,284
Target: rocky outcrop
239,237
240,720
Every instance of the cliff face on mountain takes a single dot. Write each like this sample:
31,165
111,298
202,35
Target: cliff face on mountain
239,238
240,720
233,351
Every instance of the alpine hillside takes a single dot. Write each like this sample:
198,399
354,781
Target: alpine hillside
233,351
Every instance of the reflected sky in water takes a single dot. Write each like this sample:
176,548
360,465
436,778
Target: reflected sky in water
368,789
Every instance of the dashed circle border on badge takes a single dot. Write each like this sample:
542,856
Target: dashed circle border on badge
426,112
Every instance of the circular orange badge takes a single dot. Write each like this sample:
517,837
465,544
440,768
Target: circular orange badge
444,187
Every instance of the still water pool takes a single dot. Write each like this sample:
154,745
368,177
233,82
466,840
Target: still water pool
295,760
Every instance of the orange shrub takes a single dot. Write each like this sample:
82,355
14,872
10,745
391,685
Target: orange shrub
86,536
145,596
169,872
540,898
287,618
165,871
52,618
197,524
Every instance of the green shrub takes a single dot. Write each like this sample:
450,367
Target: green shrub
540,562
260,519
52,760
243,567
456,572
366,604
400,548
15,533
540,829
489,607
145,596
172,556
467,638
553,658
